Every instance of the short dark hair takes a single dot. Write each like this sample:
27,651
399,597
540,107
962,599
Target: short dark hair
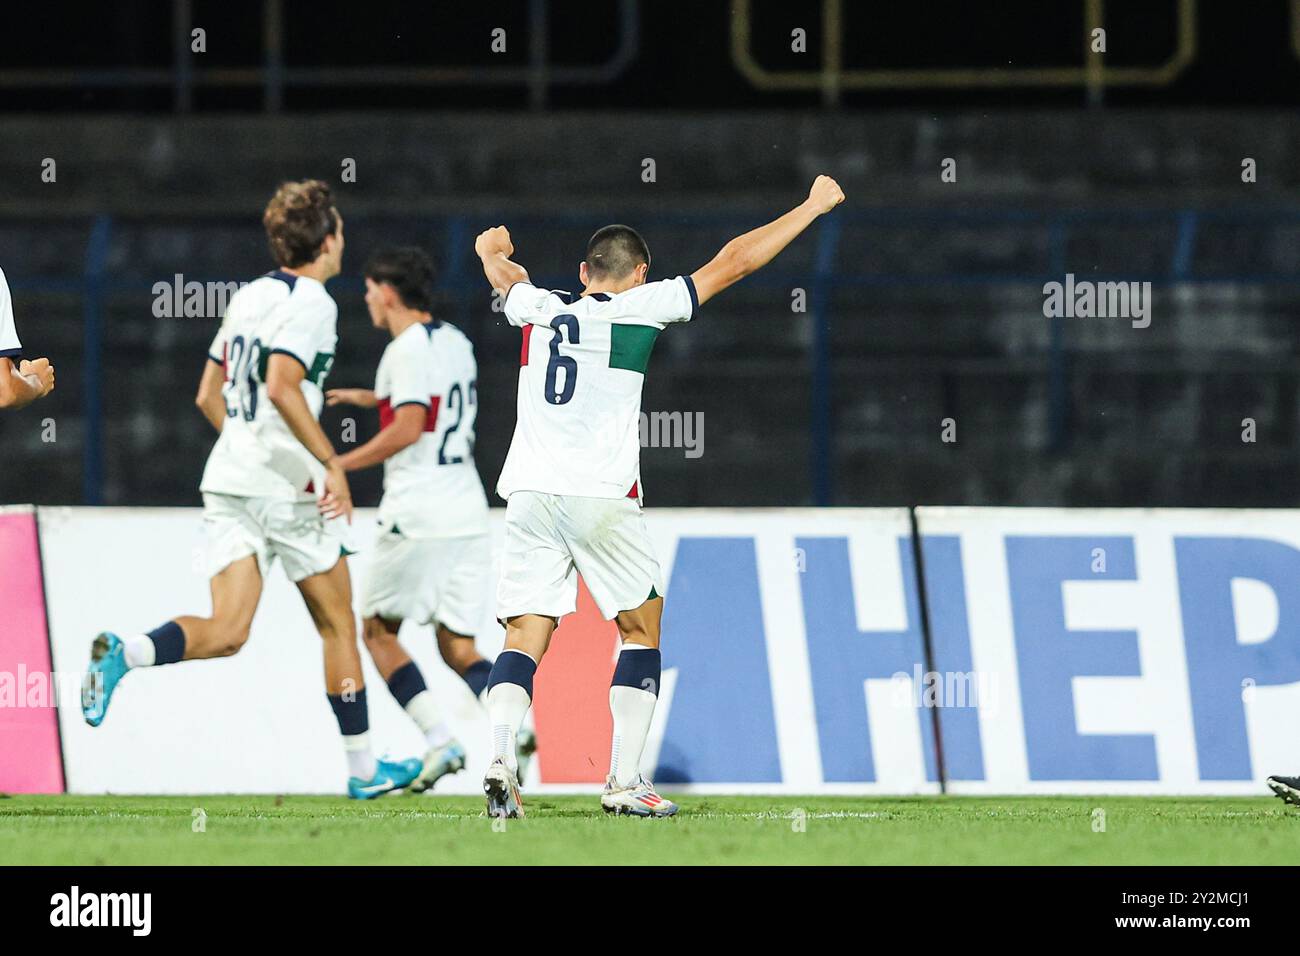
614,251
409,270
298,219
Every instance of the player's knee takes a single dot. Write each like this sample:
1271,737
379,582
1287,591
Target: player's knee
231,637
340,629
378,634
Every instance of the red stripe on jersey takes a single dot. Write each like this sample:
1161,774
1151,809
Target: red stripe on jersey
387,413
633,492
523,351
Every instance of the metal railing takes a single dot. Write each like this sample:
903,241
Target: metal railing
95,283
833,76
274,75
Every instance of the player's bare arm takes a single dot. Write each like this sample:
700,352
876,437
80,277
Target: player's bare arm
360,397
23,385
284,379
406,429
209,399
750,252
494,249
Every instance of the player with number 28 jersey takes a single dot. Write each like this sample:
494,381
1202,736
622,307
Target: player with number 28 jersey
272,483
256,454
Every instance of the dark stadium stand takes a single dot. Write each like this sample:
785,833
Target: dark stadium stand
924,298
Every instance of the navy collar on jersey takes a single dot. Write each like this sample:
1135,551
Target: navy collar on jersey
431,325
288,278
598,296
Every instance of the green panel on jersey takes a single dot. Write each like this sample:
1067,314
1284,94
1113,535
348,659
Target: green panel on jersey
630,346
320,368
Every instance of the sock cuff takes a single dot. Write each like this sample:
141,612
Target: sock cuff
477,675
168,643
513,667
405,682
352,715
639,669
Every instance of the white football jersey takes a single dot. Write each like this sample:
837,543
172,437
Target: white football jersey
10,347
431,488
257,456
583,362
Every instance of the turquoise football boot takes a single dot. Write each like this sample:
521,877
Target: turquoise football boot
107,667
389,775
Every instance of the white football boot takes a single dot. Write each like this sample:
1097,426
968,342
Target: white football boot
502,789
438,763
638,799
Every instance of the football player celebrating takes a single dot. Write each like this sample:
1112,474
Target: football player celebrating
572,479
271,482
432,554
22,384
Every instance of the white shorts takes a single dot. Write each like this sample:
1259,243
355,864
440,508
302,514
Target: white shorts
292,531
551,539
428,580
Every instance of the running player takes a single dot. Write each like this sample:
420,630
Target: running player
272,481
23,383
572,478
432,554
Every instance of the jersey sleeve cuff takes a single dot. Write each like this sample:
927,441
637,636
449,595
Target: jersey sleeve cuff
695,298
293,355
11,353
413,401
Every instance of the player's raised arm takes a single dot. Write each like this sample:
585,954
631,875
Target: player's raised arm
25,384
284,379
209,399
756,248
494,249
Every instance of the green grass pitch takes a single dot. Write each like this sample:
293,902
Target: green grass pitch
425,830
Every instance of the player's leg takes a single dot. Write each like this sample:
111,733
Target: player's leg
634,688
444,754
460,653
633,694
236,554
613,553
316,562
463,566
401,586
328,596
538,585
509,696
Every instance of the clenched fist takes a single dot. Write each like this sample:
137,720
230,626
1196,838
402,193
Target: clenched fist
492,241
825,194
39,373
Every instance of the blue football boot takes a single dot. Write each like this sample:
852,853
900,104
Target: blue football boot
389,776
107,667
